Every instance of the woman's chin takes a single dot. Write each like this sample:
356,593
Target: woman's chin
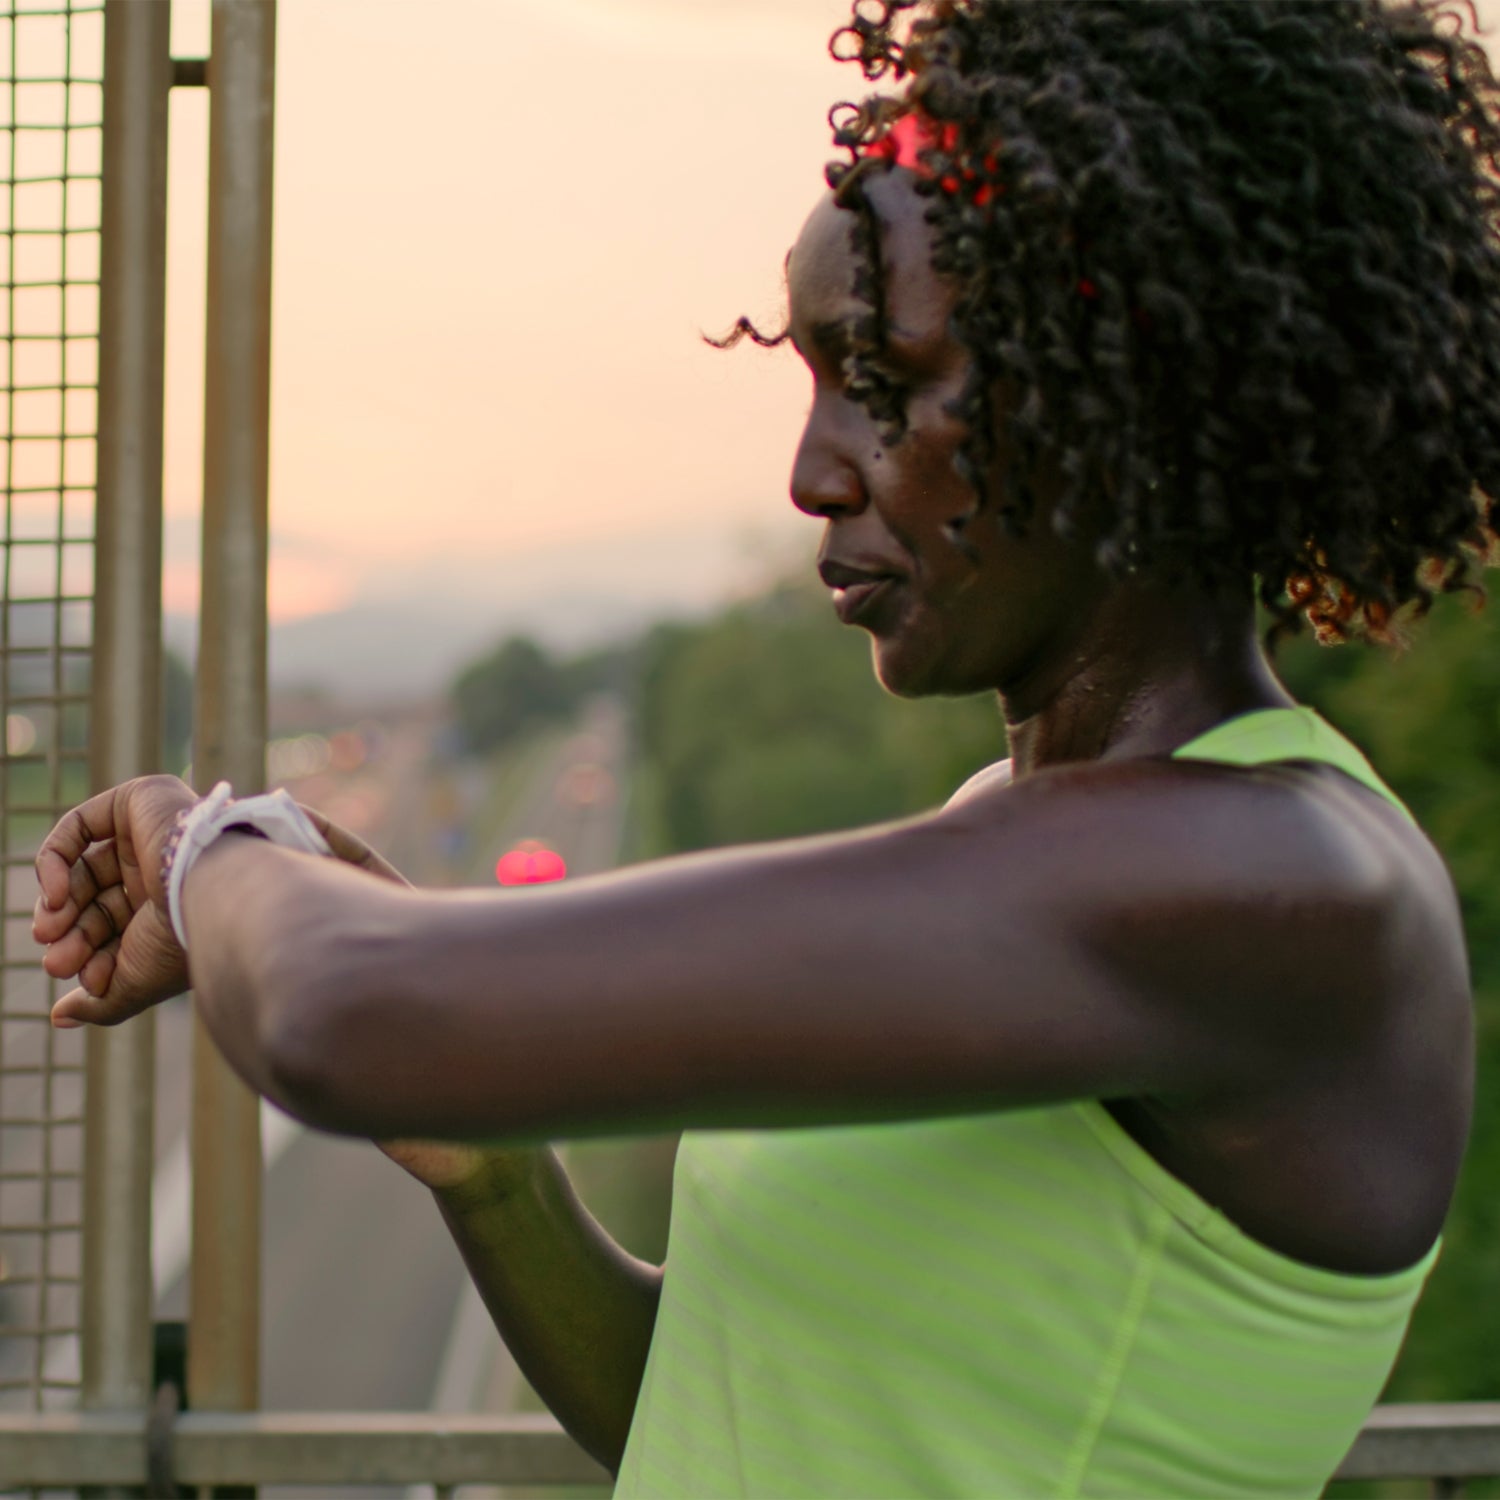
905,673
914,668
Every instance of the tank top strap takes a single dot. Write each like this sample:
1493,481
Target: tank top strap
1276,734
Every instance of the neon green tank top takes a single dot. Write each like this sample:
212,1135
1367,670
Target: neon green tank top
1020,1304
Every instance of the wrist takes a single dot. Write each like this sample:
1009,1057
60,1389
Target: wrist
196,888
503,1175
272,816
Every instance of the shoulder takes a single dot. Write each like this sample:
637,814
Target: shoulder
990,779
1166,821
1285,899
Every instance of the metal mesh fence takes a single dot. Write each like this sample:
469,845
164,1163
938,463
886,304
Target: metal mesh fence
51,105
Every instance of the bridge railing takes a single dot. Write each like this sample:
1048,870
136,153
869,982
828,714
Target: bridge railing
80,420
157,1450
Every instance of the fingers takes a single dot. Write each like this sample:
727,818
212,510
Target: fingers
134,818
99,923
95,913
48,926
98,870
91,822
91,1003
95,976
64,958
351,849
345,846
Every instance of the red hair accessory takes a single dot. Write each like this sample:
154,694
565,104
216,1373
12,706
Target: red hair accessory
912,134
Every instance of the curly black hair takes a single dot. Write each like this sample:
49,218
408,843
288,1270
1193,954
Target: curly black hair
1239,263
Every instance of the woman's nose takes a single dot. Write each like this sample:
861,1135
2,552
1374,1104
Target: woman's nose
825,481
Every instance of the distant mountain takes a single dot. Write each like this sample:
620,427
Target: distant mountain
409,640
404,649
389,651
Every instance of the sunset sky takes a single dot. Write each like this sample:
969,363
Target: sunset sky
500,228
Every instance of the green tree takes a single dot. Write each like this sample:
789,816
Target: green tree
516,687
766,722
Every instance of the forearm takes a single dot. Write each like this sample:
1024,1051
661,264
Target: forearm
574,1309
721,990
901,972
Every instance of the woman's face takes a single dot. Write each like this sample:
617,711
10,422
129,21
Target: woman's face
941,620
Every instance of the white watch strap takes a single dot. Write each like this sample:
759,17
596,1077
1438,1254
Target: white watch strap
274,814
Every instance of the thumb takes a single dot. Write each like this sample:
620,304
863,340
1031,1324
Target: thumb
78,1008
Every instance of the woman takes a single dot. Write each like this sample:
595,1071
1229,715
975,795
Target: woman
1093,1134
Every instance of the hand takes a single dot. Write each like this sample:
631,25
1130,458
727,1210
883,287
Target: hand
436,1164
352,849
102,911
468,1176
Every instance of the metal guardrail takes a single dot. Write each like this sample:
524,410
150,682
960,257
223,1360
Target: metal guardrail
1444,1443
51,60
229,721
125,737
84,87
303,1448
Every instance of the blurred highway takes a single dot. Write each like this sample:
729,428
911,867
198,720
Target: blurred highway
365,1302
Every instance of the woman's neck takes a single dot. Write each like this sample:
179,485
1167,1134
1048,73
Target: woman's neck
1150,669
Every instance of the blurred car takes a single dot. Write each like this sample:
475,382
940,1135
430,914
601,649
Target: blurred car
530,862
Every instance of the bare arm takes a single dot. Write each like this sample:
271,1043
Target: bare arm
1109,931
575,1311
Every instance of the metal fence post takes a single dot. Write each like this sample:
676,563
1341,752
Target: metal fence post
126,716
230,720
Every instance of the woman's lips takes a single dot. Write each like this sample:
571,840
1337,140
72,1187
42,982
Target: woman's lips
856,603
861,587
